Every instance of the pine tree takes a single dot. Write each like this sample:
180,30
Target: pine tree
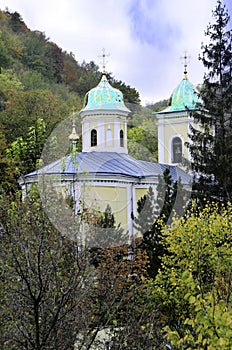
107,219
146,211
211,137
104,234
171,198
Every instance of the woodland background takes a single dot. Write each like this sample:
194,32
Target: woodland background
172,289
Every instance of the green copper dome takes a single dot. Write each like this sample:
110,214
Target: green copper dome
184,96
104,97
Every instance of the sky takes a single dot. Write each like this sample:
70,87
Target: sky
145,39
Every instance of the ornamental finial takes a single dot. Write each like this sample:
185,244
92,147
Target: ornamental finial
185,59
103,62
73,136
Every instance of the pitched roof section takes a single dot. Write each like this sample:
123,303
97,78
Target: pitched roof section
109,164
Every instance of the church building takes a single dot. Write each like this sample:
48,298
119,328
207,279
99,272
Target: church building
104,173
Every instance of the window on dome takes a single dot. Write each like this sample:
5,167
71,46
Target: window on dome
121,138
86,99
93,137
176,150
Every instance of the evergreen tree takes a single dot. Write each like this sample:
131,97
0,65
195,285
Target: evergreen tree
102,233
107,219
16,22
166,194
152,218
146,210
211,137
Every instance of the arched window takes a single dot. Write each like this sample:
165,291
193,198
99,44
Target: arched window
93,137
121,138
176,150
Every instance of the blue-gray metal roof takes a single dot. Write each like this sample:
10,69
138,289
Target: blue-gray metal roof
109,164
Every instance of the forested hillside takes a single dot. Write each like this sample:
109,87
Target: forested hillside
39,63
40,85
169,289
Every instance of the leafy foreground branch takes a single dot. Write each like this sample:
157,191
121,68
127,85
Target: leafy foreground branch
195,285
54,297
42,275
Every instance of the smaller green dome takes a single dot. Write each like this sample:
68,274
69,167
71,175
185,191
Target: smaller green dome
104,97
184,96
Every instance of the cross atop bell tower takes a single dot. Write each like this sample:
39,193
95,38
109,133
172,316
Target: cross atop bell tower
185,59
103,61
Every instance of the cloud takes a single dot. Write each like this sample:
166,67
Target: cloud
149,25
145,38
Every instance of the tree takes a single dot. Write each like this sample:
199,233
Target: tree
57,61
41,280
32,80
121,296
7,167
27,152
124,318
24,108
142,143
130,94
5,56
194,286
172,198
146,212
101,232
16,22
52,297
70,74
155,213
8,83
41,55
89,77
142,134
211,138
158,106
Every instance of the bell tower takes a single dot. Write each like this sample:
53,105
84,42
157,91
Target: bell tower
174,122
104,118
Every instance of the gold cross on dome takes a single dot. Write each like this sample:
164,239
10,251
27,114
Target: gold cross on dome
186,59
103,62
